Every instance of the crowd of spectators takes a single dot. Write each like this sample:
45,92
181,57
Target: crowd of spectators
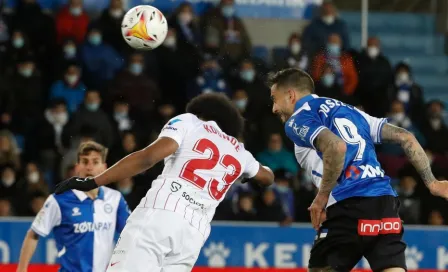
69,77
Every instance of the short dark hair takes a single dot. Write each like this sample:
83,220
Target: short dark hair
90,146
219,108
292,77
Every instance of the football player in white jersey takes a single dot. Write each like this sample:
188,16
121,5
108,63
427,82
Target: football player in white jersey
203,158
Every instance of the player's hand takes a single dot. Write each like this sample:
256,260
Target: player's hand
82,184
439,188
317,209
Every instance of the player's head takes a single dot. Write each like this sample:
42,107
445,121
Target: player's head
287,87
219,108
91,159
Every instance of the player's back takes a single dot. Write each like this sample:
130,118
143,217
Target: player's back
197,176
362,174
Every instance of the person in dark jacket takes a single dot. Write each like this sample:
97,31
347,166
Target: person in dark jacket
110,25
407,91
90,114
296,56
375,76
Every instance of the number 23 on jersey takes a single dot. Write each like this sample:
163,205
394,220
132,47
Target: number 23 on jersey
227,161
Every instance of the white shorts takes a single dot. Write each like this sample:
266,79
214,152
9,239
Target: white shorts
157,241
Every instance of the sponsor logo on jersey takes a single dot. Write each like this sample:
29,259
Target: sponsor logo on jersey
76,212
363,171
191,200
301,131
172,122
108,208
91,227
169,127
379,227
175,186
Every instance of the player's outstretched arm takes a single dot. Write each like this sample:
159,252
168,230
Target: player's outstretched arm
265,176
129,166
27,251
416,156
333,151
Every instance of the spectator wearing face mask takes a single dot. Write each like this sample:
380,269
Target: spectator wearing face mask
315,35
127,189
408,92
121,118
72,21
9,151
68,53
27,93
100,61
210,80
136,87
9,187
110,25
340,62
284,192
225,33
177,70
375,76
37,25
327,85
275,156
435,129
397,116
18,47
70,87
91,115
33,181
50,146
296,57
187,30
410,202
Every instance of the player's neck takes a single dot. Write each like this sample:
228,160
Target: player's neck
93,194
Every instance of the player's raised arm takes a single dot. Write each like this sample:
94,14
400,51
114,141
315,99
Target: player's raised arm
416,156
129,166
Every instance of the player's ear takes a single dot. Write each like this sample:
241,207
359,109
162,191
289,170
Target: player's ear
104,166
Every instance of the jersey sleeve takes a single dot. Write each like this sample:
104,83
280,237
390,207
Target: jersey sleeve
123,213
177,128
303,129
47,218
375,126
252,165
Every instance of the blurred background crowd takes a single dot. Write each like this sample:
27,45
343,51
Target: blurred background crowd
68,76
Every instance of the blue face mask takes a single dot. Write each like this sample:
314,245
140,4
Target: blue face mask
70,51
328,80
18,43
136,68
247,75
95,39
228,11
334,49
92,106
241,104
282,189
27,72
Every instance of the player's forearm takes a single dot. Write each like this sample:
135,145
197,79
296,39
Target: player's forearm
333,156
131,165
413,150
27,251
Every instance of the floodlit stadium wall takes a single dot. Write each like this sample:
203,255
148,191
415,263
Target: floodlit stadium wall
250,246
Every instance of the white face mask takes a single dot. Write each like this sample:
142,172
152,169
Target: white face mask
33,177
328,19
403,77
60,118
373,51
8,182
116,13
295,48
185,17
170,42
399,116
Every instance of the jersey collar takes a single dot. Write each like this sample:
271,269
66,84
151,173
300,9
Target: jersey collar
82,195
303,100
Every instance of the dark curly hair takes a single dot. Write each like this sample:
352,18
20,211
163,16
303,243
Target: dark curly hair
219,108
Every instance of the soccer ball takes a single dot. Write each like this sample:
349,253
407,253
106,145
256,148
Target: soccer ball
144,27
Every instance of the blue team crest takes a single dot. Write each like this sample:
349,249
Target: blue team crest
172,122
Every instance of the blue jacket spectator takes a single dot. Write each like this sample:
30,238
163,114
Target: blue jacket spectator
70,88
284,192
315,35
276,157
100,61
211,79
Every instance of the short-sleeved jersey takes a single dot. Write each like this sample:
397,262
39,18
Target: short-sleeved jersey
362,173
197,176
83,228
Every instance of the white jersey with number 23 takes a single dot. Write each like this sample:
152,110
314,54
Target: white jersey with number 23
197,176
